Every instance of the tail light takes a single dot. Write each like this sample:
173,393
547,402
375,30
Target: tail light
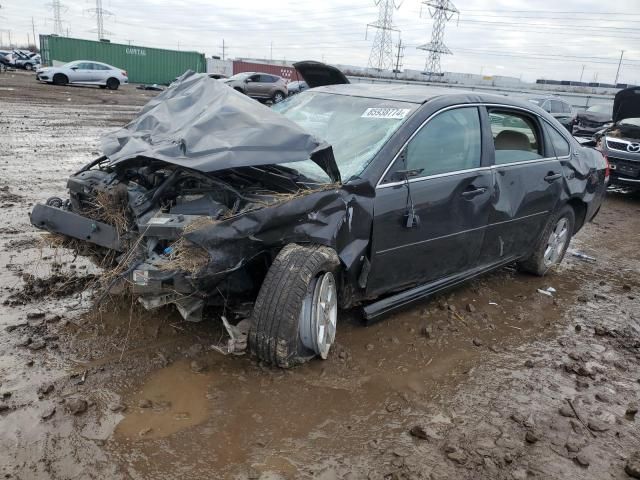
124,73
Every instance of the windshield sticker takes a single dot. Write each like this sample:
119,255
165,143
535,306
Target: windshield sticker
394,113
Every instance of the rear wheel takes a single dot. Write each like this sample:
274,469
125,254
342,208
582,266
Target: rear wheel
552,244
113,83
296,312
60,79
278,97
28,66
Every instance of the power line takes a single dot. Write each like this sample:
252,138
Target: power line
381,56
441,11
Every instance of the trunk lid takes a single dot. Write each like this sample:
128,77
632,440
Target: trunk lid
318,74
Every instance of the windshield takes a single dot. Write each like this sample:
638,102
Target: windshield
240,76
70,64
355,127
537,101
600,109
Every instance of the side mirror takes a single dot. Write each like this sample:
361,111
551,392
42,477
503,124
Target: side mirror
247,80
74,68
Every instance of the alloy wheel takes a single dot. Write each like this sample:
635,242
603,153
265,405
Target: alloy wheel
558,239
319,315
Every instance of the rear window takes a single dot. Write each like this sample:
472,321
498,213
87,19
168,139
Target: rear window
356,127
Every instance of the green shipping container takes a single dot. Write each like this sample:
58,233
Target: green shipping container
143,65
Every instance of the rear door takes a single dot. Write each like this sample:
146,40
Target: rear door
431,226
528,183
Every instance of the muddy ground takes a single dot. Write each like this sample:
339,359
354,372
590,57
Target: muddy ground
492,380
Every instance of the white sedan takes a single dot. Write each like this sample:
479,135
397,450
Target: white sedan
83,72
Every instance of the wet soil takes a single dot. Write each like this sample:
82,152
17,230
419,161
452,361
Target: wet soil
492,380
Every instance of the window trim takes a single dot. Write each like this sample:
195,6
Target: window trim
380,183
540,133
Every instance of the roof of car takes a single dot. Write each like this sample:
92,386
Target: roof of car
415,93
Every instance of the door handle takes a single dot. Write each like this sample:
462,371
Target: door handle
473,192
552,176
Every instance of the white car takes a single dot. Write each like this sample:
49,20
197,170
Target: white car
84,72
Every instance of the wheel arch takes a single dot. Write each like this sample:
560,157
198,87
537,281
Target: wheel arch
580,211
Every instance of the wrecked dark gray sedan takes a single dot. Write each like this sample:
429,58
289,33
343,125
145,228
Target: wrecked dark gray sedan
342,196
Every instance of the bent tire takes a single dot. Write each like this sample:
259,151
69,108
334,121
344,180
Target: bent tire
295,314
113,84
552,244
60,79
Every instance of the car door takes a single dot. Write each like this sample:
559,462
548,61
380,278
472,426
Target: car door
432,205
528,183
81,73
253,86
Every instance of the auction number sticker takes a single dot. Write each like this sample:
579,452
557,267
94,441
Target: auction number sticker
393,113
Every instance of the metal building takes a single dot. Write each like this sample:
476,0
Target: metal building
143,64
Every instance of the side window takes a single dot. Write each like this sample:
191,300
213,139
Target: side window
449,142
255,78
556,106
515,136
566,108
558,142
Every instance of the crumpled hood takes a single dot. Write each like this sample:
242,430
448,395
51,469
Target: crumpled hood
626,104
205,125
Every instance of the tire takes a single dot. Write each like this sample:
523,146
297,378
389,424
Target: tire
278,97
282,316
28,66
113,83
552,244
60,79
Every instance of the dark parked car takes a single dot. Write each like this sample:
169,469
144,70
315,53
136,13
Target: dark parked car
261,86
591,121
620,142
560,109
341,196
297,87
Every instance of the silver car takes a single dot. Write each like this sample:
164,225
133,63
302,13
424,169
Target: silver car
84,72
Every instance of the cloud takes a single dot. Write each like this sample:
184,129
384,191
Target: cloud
535,39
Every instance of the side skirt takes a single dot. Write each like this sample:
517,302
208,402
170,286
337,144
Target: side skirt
375,311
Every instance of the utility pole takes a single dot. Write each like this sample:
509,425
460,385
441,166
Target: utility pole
33,29
399,58
582,73
619,65
271,51
441,11
381,56
224,49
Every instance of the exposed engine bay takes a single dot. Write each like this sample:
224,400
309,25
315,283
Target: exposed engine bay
144,209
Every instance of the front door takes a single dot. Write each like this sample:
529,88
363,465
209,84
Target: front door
432,206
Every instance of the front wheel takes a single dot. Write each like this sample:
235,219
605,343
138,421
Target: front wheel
296,312
552,244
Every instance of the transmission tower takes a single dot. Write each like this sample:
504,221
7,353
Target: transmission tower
382,55
441,11
99,13
57,17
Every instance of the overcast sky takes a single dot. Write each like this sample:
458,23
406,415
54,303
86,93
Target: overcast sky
532,39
